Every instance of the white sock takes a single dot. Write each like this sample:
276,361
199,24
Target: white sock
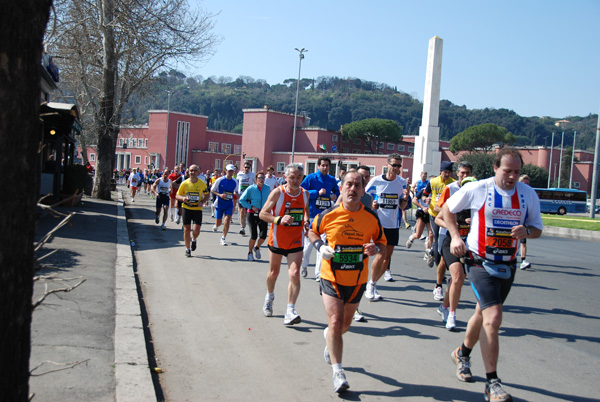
290,307
270,296
336,367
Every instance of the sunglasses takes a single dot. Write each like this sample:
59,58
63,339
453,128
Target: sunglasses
395,165
260,178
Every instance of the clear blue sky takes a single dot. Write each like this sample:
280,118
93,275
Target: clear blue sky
536,57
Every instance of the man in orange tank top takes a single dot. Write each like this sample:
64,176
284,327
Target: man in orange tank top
287,211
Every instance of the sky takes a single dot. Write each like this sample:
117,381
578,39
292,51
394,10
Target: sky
536,57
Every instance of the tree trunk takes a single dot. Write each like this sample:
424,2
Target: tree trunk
107,129
22,25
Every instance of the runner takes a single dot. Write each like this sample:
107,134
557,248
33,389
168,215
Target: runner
192,194
503,211
524,263
421,201
253,199
216,174
323,191
225,188
244,180
287,211
161,189
270,179
174,187
353,233
134,182
390,195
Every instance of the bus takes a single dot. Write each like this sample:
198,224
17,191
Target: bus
561,200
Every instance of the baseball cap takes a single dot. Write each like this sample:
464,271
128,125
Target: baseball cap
446,166
230,167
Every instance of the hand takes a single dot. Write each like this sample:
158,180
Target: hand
519,232
287,220
370,249
327,252
322,191
457,247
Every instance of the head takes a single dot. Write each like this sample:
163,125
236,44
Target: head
323,164
247,167
260,178
353,188
166,174
446,169
229,169
464,169
343,171
194,171
507,168
270,170
394,164
293,174
424,176
365,173
182,167
524,179
176,169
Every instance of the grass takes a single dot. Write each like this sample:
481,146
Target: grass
572,222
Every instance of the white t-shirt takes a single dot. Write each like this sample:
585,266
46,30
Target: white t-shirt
134,180
494,212
244,180
388,194
163,186
272,182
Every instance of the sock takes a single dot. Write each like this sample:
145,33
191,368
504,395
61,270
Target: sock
491,376
271,296
452,313
256,248
336,367
290,307
464,351
438,285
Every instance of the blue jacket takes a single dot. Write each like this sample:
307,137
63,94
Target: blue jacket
313,183
255,197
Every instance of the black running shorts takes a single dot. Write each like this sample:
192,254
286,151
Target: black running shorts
190,215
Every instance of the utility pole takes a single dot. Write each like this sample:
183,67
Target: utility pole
301,55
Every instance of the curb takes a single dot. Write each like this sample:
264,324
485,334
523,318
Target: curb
132,371
578,234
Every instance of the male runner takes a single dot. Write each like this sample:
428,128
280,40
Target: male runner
134,183
353,233
174,187
161,189
524,263
192,194
225,188
287,211
323,191
503,211
390,195
270,179
244,179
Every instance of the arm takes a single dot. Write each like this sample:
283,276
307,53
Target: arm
266,213
457,246
246,199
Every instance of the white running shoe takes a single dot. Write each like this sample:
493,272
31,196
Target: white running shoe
257,253
291,318
388,276
340,384
242,231
409,243
214,228
371,292
268,307
250,256
443,312
438,293
525,265
423,237
304,272
451,323
223,242
358,317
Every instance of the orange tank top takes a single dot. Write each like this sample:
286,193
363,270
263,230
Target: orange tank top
289,237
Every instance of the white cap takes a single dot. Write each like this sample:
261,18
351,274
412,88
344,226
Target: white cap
230,167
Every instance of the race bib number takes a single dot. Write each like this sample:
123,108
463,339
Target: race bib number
193,198
243,188
163,190
323,203
388,201
297,214
228,196
347,258
499,242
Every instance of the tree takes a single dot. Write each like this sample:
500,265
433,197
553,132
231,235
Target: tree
481,137
483,164
538,177
110,50
22,25
373,131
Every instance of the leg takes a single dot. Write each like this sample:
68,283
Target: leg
339,319
165,212
274,267
294,260
492,318
308,246
196,231
186,235
473,328
226,224
455,286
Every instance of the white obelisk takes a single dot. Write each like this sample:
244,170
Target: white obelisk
427,156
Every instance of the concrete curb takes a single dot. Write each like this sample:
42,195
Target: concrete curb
132,371
588,235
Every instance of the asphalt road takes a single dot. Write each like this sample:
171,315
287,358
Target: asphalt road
212,342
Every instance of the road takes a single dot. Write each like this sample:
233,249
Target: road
213,343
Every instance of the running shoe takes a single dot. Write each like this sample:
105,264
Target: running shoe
132,200
250,256
178,221
223,242
163,227
188,252
388,276
194,245
409,243
423,237
463,366
451,322
443,311
242,231
304,271
257,253
214,228
525,265
430,260
156,219
268,307
495,392
326,351
358,317
291,318
171,216
407,225
371,292
438,293
340,384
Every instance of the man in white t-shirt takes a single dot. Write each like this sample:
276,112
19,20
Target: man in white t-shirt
270,179
390,196
503,211
245,179
134,183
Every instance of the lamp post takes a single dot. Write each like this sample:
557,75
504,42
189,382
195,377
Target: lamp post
169,92
301,56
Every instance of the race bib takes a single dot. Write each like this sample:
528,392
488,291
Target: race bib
243,188
323,203
163,190
499,242
347,258
193,198
388,201
228,195
297,214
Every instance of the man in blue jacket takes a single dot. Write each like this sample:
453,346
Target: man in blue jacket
253,199
323,190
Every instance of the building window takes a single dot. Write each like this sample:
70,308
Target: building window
226,148
372,170
280,167
390,147
217,161
368,152
92,157
345,140
310,167
145,160
237,149
182,142
345,150
138,159
131,143
146,143
121,141
213,146
356,141
576,184
334,138
380,145
400,147
411,149
140,143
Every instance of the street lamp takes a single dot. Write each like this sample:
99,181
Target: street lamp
169,92
301,55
